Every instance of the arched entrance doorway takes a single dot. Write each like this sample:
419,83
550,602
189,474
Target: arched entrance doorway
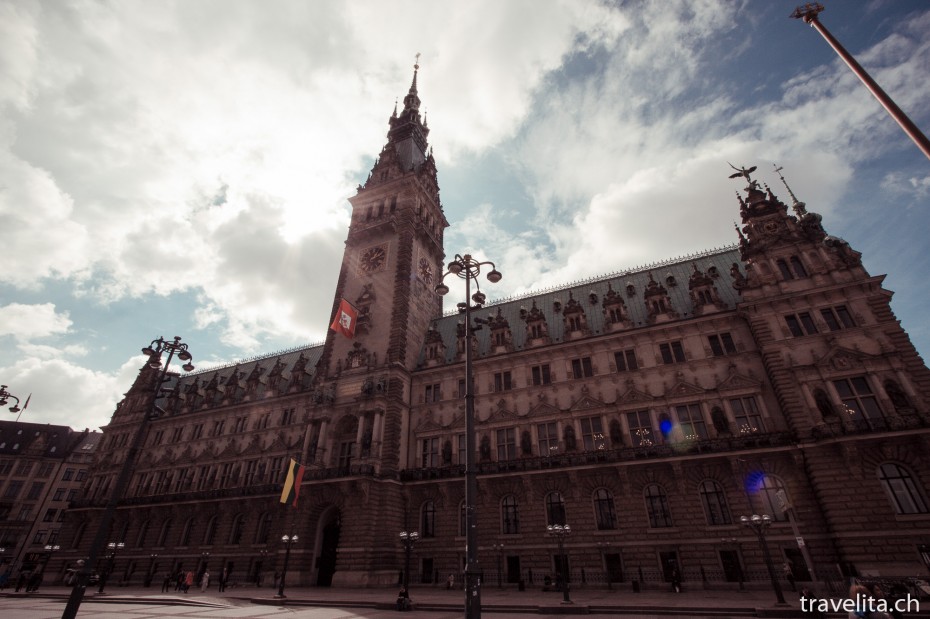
327,545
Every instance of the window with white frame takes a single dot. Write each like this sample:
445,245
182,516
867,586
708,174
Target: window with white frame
903,491
747,416
691,421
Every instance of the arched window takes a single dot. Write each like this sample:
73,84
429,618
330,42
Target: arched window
428,519
903,492
555,508
143,533
163,534
657,506
235,535
463,520
714,500
766,489
264,528
798,267
186,533
510,521
210,534
604,510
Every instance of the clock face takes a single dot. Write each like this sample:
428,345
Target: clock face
373,259
425,270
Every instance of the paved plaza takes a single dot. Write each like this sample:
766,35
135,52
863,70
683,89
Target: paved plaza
431,603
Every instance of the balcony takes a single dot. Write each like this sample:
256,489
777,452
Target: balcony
606,456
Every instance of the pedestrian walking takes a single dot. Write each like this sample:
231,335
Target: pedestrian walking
188,581
205,581
223,577
179,585
167,583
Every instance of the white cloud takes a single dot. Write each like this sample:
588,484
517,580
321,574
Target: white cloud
25,322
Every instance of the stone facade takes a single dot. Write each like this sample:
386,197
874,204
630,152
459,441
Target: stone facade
648,409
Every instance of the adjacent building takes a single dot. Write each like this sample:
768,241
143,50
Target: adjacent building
648,409
42,468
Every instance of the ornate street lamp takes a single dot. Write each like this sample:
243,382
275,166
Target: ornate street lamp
467,268
500,564
560,532
113,549
604,548
288,540
5,396
408,539
759,524
154,352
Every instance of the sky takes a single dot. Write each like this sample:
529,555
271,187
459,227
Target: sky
183,167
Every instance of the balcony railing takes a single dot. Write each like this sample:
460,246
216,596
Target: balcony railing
624,454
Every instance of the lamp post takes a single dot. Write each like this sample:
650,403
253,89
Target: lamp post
150,574
759,524
154,352
500,564
560,532
467,268
288,540
50,549
408,539
262,566
113,549
808,14
604,548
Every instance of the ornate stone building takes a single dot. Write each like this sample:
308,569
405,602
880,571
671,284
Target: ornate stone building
649,409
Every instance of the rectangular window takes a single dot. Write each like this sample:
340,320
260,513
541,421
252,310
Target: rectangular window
263,421
59,494
592,434
197,431
641,434
461,388
429,452
39,537
158,437
287,416
25,512
35,491
502,381
672,352
541,374
837,318
548,438
536,331
49,515
431,393
176,435
691,421
747,416
345,455
13,488
72,494
5,467
68,476
625,360
240,425
24,468
45,469
858,401
582,368
506,444
721,344
53,536
801,324
81,475
218,427
462,450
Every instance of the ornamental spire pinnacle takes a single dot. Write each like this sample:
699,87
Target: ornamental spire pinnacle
799,207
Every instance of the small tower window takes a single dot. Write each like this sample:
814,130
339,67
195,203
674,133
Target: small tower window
798,267
785,271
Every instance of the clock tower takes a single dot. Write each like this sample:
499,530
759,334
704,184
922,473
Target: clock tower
393,253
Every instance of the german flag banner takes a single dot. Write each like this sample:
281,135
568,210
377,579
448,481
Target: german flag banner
295,475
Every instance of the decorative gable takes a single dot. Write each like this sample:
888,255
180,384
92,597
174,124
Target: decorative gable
682,388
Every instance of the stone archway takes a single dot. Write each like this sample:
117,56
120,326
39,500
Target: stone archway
327,544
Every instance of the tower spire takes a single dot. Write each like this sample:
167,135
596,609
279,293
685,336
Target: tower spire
799,207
